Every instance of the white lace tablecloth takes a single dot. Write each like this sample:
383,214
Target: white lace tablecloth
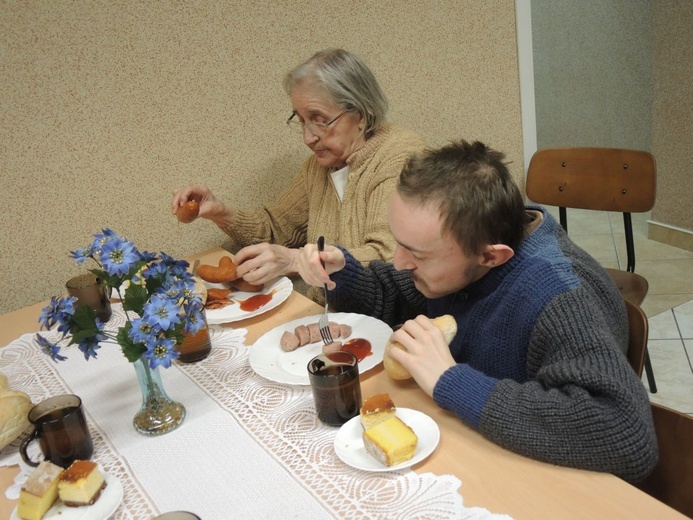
248,448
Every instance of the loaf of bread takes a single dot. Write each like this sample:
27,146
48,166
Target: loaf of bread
14,410
395,370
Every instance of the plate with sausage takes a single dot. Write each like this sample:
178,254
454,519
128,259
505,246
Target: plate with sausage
283,353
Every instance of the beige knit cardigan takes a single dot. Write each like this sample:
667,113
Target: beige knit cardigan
310,206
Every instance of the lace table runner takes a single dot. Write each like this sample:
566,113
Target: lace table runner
248,448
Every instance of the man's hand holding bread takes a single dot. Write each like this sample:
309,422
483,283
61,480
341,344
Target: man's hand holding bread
420,349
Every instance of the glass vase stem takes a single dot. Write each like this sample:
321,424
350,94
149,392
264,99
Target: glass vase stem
159,414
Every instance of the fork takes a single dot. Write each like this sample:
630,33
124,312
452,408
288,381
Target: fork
324,322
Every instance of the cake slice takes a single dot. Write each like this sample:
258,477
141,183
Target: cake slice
39,491
81,484
376,409
391,442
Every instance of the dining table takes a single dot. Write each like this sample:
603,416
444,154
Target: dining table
250,447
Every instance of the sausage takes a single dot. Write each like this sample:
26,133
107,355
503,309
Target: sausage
289,341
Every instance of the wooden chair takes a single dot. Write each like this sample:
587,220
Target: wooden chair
637,336
601,179
671,481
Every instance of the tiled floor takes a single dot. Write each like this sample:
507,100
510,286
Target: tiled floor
669,302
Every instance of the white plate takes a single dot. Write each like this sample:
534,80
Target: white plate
282,287
270,361
103,508
348,444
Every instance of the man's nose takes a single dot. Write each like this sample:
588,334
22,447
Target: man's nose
402,260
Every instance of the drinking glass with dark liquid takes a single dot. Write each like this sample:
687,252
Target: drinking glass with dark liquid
334,378
90,291
195,347
61,431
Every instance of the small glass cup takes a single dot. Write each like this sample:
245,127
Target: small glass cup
195,347
61,431
334,378
89,290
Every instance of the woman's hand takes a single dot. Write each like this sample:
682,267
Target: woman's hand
262,263
211,208
310,268
427,356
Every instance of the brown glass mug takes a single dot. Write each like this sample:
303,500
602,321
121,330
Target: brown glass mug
334,378
89,290
195,347
61,430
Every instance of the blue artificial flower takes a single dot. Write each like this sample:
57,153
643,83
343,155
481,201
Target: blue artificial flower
141,332
195,319
105,236
60,311
118,256
49,348
161,312
146,256
156,270
176,267
162,352
83,253
89,346
175,290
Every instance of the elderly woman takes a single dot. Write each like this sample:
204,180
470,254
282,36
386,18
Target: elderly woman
342,189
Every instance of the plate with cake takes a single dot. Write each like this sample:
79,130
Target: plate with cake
83,491
283,353
386,438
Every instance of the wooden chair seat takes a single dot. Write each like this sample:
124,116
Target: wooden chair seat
632,286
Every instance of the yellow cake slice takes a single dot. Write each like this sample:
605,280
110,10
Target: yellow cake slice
39,491
391,442
376,409
81,484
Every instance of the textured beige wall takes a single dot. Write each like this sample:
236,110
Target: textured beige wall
109,105
593,73
673,115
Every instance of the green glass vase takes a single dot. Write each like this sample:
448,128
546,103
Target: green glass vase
159,413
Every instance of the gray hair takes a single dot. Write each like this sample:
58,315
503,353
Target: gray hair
347,80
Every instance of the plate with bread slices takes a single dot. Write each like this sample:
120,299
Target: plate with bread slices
385,438
48,490
242,304
282,354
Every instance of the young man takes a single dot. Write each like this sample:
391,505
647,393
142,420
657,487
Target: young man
538,362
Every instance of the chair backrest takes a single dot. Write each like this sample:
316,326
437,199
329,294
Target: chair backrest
671,481
637,336
605,179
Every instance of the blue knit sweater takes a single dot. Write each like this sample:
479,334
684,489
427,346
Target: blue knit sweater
540,350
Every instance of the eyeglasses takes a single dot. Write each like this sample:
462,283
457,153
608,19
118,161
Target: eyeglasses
316,129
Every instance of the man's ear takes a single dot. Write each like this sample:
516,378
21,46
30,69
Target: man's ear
496,254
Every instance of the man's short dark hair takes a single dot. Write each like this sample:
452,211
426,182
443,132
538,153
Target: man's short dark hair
477,197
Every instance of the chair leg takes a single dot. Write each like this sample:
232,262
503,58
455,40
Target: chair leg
650,373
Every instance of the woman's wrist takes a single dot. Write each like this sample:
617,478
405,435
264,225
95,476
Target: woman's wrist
225,218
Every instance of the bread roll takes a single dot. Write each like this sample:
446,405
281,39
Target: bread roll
14,411
395,370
